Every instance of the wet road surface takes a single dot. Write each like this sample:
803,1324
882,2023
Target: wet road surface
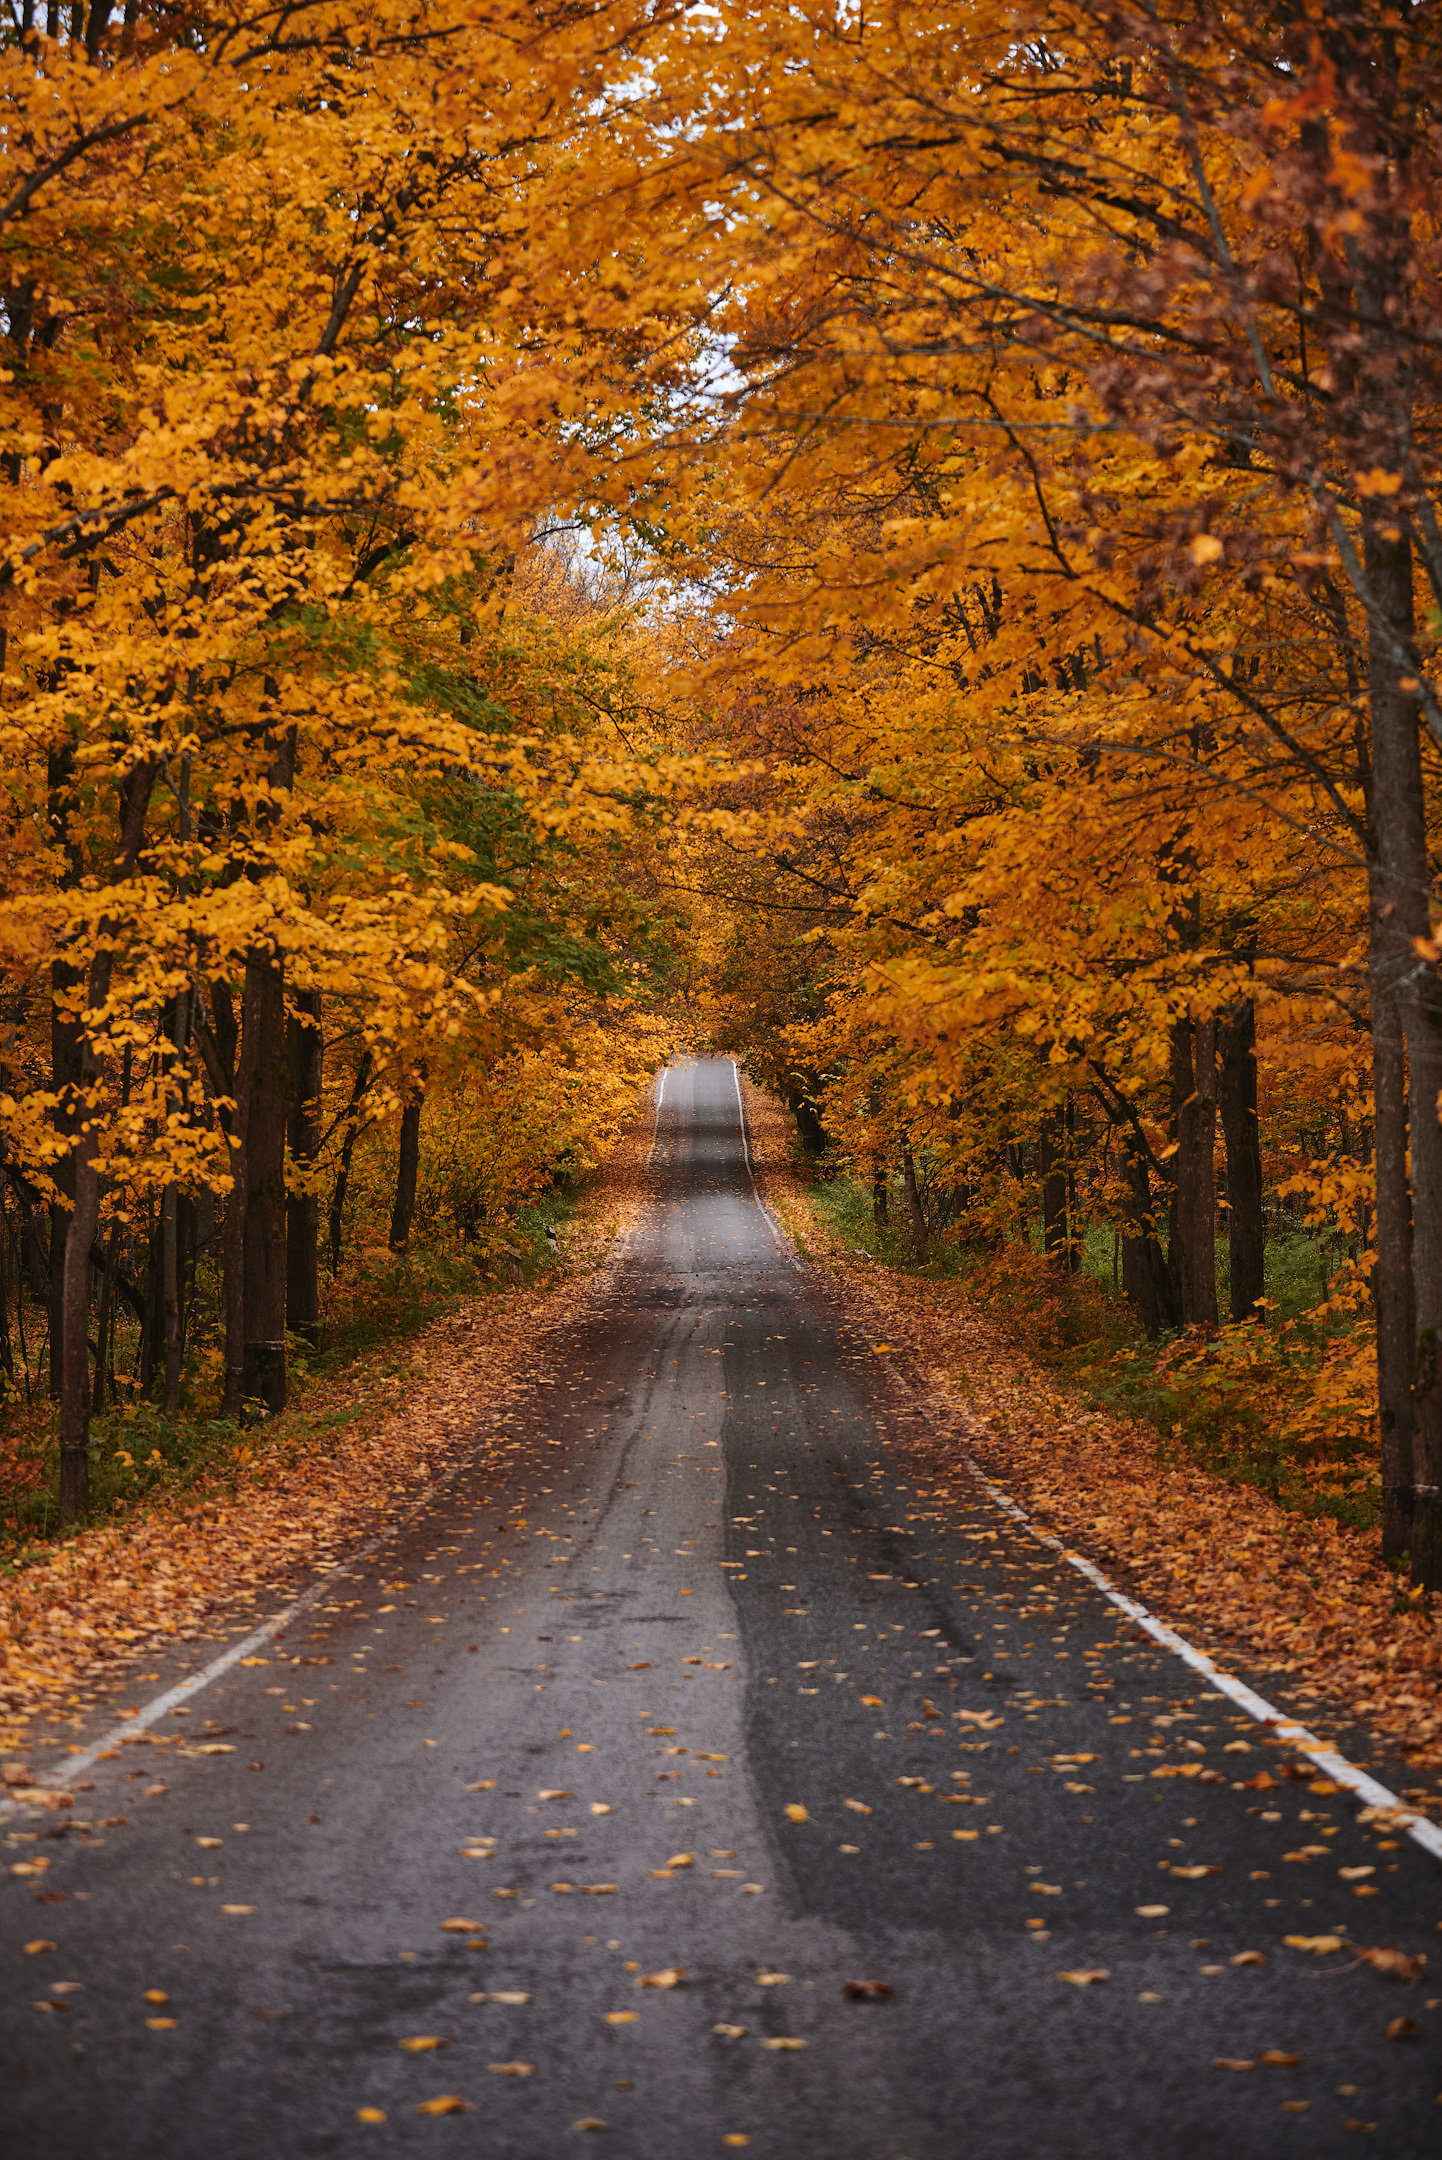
714,1683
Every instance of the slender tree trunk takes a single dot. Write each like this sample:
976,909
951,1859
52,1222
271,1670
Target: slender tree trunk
305,1049
1400,913
1392,1267
233,1241
105,1324
1194,1127
1051,1163
336,1221
1246,1229
880,1182
914,1213
407,1166
74,1364
1146,1279
64,1079
264,1244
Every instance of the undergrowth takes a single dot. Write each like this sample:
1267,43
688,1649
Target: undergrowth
379,1298
1286,1406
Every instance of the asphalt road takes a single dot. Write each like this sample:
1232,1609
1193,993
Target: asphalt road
577,1714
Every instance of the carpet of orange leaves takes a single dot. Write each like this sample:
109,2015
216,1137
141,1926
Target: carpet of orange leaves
1300,1603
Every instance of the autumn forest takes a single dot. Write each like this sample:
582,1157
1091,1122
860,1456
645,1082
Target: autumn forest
897,544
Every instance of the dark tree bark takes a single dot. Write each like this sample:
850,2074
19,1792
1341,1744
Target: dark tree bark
915,1214
74,1364
1246,1228
1146,1279
880,1181
305,1051
1392,1265
408,1165
336,1222
263,1379
1400,915
1194,1127
808,1123
1054,1167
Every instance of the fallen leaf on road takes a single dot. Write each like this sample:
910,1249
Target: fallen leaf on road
871,1702
554,1792
1250,1957
621,2017
730,2032
772,1979
1355,1874
669,1976
601,1807
422,2044
1232,2062
867,1990
155,1995
160,2024
644,1666
783,2047
462,1927
857,1807
1153,1912
599,1889
237,1908
1279,2059
33,1949
589,2122
1085,1979
1047,1889
445,2104
1402,2028
682,1859
1322,1944
1194,1874
795,1812
735,2137
1396,1962
512,2069
370,2115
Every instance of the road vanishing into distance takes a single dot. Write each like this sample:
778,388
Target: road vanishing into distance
707,1781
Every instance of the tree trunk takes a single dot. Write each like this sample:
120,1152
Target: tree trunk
1392,1266
1146,1279
263,1379
1399,914
880,1192
914,1212
336,1221
74,1363
64,1079
105,1323
1194,1127
407,1166
305,1049
1246,1229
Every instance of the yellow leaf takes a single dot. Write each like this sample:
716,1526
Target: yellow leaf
445,2104
369,2115
422,2044
621,2017
795,1812
512,2069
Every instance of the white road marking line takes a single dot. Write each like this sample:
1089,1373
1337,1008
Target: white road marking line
1427,1834
782,1242
145,1717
